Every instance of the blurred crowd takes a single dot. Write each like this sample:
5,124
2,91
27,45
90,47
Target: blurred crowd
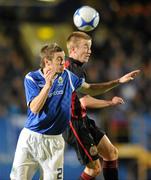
121,44
12,70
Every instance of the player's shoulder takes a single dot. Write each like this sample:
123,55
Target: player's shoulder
67,72
32,74
70,75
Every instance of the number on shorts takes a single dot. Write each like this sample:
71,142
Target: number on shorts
59,175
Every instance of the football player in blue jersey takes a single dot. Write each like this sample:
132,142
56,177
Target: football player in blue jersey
89,142
48,95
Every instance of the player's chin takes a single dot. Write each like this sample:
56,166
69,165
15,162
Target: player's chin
61,69
86,59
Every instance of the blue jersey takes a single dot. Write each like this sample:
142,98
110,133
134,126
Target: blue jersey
55,114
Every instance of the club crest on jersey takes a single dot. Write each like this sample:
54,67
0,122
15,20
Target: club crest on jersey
60,80
93,150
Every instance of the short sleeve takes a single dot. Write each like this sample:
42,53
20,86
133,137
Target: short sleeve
31,89
75,81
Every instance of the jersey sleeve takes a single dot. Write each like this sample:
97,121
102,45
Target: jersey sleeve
75,81
31,89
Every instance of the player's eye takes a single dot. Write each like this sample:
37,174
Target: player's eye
60,60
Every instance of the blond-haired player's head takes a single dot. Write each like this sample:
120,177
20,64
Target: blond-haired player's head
79,46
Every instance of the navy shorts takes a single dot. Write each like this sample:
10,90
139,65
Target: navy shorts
83,135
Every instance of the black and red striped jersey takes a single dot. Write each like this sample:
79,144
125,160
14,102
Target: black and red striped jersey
77,110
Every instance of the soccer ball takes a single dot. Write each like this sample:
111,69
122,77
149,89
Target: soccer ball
86,18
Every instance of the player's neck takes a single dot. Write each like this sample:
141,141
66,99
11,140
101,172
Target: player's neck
76,59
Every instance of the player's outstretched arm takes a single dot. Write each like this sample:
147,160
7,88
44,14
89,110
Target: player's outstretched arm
100,88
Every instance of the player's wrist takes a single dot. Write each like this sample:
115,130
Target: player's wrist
48,85
118,81
111,103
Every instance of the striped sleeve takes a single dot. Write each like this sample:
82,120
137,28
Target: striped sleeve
31,88
75,81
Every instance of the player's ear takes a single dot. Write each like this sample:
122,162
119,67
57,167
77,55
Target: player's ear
73,49
46,61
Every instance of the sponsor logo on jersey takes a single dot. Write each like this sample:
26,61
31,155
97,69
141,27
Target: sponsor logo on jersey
56,93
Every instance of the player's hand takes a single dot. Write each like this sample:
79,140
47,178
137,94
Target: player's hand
49,76
128,77
117,100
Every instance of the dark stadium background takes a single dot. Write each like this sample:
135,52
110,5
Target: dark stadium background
121,43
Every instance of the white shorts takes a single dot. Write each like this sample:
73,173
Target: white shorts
35,151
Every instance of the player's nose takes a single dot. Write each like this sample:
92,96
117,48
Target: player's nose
89,51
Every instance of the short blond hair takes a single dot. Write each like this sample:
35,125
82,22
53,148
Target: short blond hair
47,51
75,37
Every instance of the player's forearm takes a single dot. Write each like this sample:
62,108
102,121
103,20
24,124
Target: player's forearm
38,102
99,104
100,88
90,102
